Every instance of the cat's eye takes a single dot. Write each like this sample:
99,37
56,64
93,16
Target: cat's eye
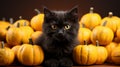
67,27
53,26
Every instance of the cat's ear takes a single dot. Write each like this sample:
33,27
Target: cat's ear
47,12
74,11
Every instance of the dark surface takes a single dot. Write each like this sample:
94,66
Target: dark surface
25,8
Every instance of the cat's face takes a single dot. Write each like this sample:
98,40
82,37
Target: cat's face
61,25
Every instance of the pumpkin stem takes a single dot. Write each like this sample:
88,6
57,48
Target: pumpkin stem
20,17
97,43
30,41
104,23
85,42
25,24
18,25
91,9
110,14
8,28
38,12
2,44
11,20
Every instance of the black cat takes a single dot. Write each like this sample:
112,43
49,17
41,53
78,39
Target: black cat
59,37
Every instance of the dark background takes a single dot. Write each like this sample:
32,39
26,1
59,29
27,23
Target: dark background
25,8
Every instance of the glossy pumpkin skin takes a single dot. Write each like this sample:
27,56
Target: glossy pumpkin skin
85,54
13,36
6,56
90,20
103,34
84,34
30,54
113,22
37,21
102,55
115,55
110,47
26,33
22,21
35,35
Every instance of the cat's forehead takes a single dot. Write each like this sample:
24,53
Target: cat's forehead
60,13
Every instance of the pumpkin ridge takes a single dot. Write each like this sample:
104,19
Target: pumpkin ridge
33,55
81,55
88,57
20,55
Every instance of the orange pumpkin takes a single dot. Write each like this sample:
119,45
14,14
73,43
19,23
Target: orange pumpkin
37,21
35,35
29,54
26,33
101,50
113,22
110,47
85,54
103,34
84,35
115,55
13,36
90,20
6,55
21,22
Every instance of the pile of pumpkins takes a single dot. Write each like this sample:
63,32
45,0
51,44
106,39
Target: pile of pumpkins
99,40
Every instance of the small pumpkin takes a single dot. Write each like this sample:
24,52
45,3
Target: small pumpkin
115,55
21,21
6,55
84,34
26,33
101,50
13,36
103,34
29,54
110,47
90,20
85,54
37,21
113,22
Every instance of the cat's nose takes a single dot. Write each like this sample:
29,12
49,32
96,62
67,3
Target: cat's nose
60,32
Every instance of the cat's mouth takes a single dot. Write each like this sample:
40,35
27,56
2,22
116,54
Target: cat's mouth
59,37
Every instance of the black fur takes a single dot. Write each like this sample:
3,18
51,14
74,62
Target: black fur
58,43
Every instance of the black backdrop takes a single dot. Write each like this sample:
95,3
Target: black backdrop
25,8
